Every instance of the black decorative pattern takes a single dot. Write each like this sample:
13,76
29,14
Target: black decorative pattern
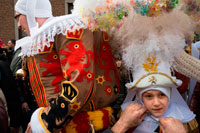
69,91
58,111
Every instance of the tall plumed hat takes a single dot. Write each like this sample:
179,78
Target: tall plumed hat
152,36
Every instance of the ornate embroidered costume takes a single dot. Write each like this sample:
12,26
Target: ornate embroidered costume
87,80
71,71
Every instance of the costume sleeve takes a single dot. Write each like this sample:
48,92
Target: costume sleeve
75,52
188,65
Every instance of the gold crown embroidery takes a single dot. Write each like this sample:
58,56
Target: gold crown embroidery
150,64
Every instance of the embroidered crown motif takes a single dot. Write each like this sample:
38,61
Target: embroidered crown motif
150,64
76,34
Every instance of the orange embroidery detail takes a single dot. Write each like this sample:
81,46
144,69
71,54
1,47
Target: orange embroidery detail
62,105
55,57
36,84
150,64
77,34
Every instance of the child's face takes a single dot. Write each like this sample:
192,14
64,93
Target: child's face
156,102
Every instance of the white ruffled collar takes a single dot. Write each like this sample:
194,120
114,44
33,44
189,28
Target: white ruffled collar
42,36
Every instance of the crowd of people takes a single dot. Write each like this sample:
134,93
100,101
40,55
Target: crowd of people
75,82
15,93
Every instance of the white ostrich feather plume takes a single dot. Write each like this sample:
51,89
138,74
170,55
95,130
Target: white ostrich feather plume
140,36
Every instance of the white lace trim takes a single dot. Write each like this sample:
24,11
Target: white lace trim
45,34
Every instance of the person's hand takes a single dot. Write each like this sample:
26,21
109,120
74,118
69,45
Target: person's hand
25,107
171,125
131,117
28,129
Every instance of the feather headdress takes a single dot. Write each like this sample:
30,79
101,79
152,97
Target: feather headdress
141,26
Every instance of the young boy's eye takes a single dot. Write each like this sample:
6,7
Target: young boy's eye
148,96
162,94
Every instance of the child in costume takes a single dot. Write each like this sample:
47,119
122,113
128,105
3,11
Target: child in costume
86,82
156,90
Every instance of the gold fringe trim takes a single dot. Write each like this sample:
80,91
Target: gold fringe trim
190,126
95,119
71,127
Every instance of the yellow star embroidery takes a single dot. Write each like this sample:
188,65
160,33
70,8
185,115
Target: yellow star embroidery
100,80
75,106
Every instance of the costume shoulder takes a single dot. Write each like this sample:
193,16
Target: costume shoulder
42,36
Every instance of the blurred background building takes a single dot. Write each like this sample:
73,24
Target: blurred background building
8,26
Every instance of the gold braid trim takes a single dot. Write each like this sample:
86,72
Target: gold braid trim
190,126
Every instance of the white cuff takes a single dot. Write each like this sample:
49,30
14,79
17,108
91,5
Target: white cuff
37,126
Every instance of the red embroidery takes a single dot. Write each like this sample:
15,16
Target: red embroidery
107,56
108,90
89,76
75,58
105,37
47,49
54,68
100,80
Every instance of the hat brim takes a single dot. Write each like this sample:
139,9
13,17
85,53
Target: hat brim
156,79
